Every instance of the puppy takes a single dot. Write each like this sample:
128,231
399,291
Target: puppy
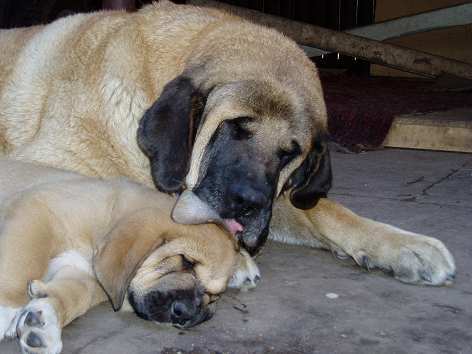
69,242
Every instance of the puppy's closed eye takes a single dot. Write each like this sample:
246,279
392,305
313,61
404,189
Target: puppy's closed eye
187,264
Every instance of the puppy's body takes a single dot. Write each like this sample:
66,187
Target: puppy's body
68,241
73,93
80,210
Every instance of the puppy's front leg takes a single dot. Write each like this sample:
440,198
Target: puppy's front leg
27,241
410,257
69,290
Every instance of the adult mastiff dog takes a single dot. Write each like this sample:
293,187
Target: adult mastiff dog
195,100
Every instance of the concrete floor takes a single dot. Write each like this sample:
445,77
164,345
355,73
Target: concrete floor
426,192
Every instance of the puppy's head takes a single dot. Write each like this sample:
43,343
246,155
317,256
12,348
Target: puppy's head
169,271
169,292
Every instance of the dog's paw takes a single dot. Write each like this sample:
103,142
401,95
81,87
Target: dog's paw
247,275
38,329
411,258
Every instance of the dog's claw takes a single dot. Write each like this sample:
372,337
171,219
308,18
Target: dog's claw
425,276
340,255
365,262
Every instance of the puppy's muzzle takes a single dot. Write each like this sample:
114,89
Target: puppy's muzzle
185,315
164,307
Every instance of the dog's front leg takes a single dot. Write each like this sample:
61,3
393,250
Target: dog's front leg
410,257
68,291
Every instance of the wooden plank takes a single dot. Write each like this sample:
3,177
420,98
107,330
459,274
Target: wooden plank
404,59
447,131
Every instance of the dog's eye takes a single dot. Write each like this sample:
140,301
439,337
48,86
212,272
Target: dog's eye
286,155
239,129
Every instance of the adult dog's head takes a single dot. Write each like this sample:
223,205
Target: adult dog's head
243,123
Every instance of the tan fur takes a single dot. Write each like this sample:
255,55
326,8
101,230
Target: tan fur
89,79
72,93
124,229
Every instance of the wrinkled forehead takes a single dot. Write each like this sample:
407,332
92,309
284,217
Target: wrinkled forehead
280,132
176,281
279,118
266,101
163,274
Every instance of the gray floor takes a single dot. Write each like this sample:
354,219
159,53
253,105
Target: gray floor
426,192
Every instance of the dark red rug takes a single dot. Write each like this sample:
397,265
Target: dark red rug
361,109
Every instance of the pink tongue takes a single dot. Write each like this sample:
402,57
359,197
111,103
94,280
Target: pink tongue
233,226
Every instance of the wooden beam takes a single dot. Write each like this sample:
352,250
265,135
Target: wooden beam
422,22
401,58
426,21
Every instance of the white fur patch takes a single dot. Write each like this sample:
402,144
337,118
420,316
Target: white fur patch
123,99
68,259
126,306
48,331
7,319
247,275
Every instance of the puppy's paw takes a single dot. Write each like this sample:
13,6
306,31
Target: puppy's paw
247,275
38,328
413,259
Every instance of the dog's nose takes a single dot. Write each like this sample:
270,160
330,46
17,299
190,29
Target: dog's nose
182,312
243,198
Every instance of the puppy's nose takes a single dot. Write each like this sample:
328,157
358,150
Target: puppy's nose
243,198
182,312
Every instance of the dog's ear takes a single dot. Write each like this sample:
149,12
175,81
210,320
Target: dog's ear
167,131
120,253
312,180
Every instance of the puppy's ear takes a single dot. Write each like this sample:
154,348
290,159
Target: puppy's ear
167,131
313,179
120,253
